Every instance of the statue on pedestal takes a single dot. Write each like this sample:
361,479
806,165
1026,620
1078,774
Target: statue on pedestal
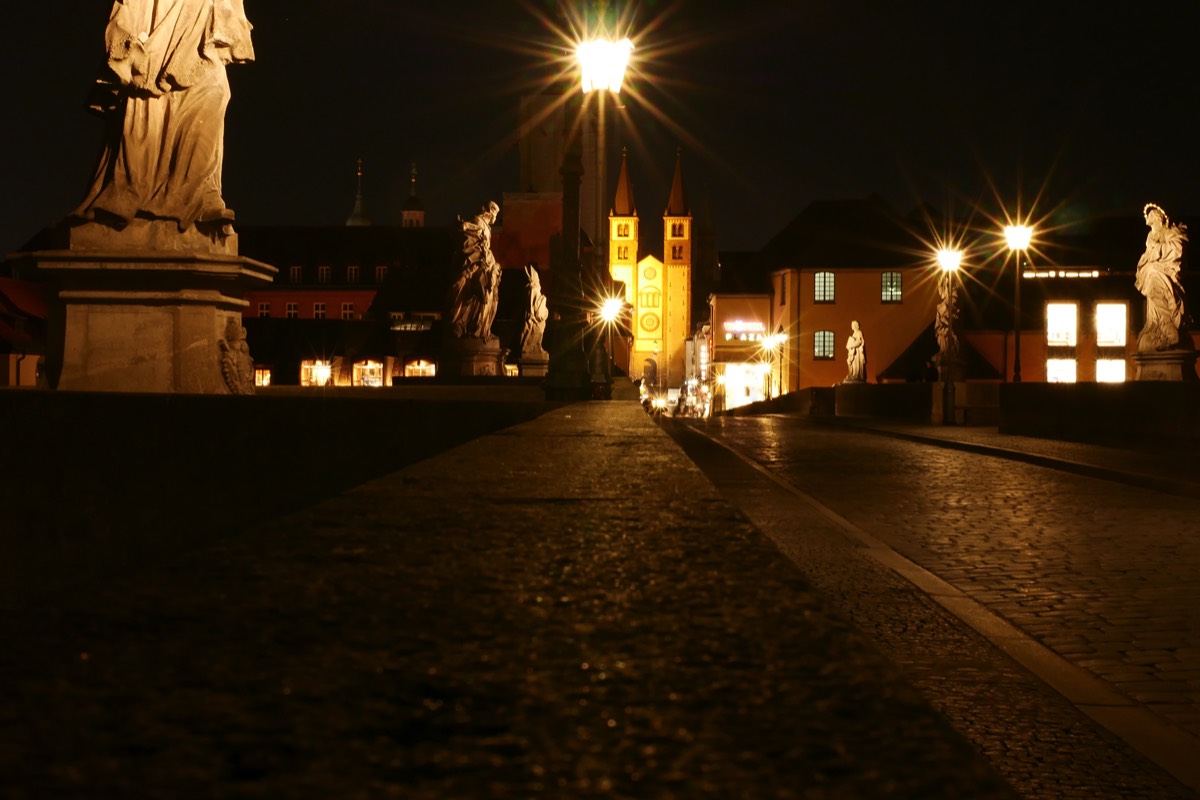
856,356
163,95
473,298
944,318
535,318
1158,279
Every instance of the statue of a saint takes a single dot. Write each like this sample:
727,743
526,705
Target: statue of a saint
535,317
856,356
474,296
163,95
947,313
1158,279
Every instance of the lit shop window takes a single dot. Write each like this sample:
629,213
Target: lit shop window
1061,327
1110,370
262,376
1110,327
1060,370
316,373
420,369
368,373
823,344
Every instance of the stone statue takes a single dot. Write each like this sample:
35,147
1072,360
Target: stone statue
237,367
856,356
474,296
944,318
1158,279
535,317
163,95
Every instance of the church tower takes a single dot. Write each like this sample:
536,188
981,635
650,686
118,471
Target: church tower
623,248
359,215
413,213
677,289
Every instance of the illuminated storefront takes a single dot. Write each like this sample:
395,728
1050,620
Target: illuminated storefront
735,354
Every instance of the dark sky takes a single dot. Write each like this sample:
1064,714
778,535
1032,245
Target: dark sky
1074,108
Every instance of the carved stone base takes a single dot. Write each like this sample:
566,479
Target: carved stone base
159,235
1166,365
472,357
534,367
146,321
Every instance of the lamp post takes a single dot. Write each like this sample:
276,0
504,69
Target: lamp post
610,312
949,260
1018,238
602,64
773,344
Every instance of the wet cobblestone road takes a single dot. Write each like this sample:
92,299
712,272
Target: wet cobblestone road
1107,576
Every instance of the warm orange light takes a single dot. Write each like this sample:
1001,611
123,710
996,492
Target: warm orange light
610,309
603,63
1018,236
949,260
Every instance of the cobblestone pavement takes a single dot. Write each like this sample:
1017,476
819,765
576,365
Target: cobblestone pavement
564,609
1106,575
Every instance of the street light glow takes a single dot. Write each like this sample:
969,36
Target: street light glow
602,63
1018,236
949,260
610,309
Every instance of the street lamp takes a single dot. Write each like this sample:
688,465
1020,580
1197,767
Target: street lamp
949,260
610,312
1018,238
602,64
773,344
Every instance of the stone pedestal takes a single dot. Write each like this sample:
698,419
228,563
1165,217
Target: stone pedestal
144,320
1166,365
469,357
534,366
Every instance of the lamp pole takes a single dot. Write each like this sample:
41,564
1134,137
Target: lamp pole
1018,238
947,313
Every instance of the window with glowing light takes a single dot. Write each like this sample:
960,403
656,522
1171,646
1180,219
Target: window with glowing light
823,344
262,376
1062,326
823,291
292,311
1060,370
368,373
347,310
1110,370
318,311
264,309
315,372
420,369
892,287
1111,326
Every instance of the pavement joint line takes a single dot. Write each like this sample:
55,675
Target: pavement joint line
1170,747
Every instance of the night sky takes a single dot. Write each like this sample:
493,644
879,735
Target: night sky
1074,108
